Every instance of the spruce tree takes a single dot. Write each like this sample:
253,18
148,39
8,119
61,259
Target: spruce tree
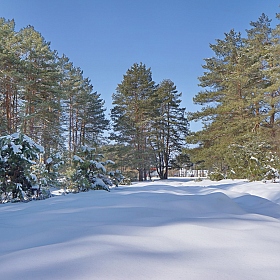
18,153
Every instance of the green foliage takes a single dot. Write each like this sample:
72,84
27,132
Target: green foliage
168,126
253,160
54,166
130,115
90,171
216,176
44,95
240,104
149,125
18,154
24,175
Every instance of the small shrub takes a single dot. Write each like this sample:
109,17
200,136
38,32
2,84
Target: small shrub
216,176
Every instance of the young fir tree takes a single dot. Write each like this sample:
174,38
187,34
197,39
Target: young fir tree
90,171
131,115
18,153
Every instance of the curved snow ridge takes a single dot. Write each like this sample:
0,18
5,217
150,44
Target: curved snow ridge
258,205
206,198
192,206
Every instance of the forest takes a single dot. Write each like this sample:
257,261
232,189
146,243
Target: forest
55,128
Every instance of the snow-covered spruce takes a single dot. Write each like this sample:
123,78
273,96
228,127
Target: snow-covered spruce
18,153
90,171
23,174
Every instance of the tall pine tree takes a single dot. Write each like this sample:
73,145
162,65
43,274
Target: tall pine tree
168,126
130,115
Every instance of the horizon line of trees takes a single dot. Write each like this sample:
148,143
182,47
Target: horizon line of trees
45,97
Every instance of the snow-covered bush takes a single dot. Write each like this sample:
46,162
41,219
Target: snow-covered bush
216,175
47,174
253,160
90,171
18,153
53,165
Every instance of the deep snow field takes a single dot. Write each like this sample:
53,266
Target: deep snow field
172,229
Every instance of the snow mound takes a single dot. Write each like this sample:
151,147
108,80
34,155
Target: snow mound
173,229
258,205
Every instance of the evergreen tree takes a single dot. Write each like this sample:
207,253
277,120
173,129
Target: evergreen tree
241,98
10,77
83,113
91,173
130,115
224,101
42,93
169,126
91,115
18,153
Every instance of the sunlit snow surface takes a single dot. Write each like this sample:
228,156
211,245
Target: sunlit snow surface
173,229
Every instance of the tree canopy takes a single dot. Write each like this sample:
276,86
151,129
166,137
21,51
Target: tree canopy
240,102
148,121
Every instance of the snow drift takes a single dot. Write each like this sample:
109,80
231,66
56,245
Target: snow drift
173,229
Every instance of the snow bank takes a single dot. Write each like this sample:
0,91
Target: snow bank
172,229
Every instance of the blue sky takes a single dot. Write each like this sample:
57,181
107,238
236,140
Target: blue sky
105,37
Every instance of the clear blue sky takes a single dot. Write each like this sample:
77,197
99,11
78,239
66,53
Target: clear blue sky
105,37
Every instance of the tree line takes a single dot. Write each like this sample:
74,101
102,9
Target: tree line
44,96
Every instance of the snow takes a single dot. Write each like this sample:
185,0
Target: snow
33,177
110,161
99,182
77,158
16,148
98,165
170,229
32,143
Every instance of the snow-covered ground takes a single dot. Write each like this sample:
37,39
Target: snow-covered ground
173,229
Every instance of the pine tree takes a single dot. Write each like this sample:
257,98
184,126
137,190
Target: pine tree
241,98
224,101
10,77
83,113
169,126
92,120
130,115
42,93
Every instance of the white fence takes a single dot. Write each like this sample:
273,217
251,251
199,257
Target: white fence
192,173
